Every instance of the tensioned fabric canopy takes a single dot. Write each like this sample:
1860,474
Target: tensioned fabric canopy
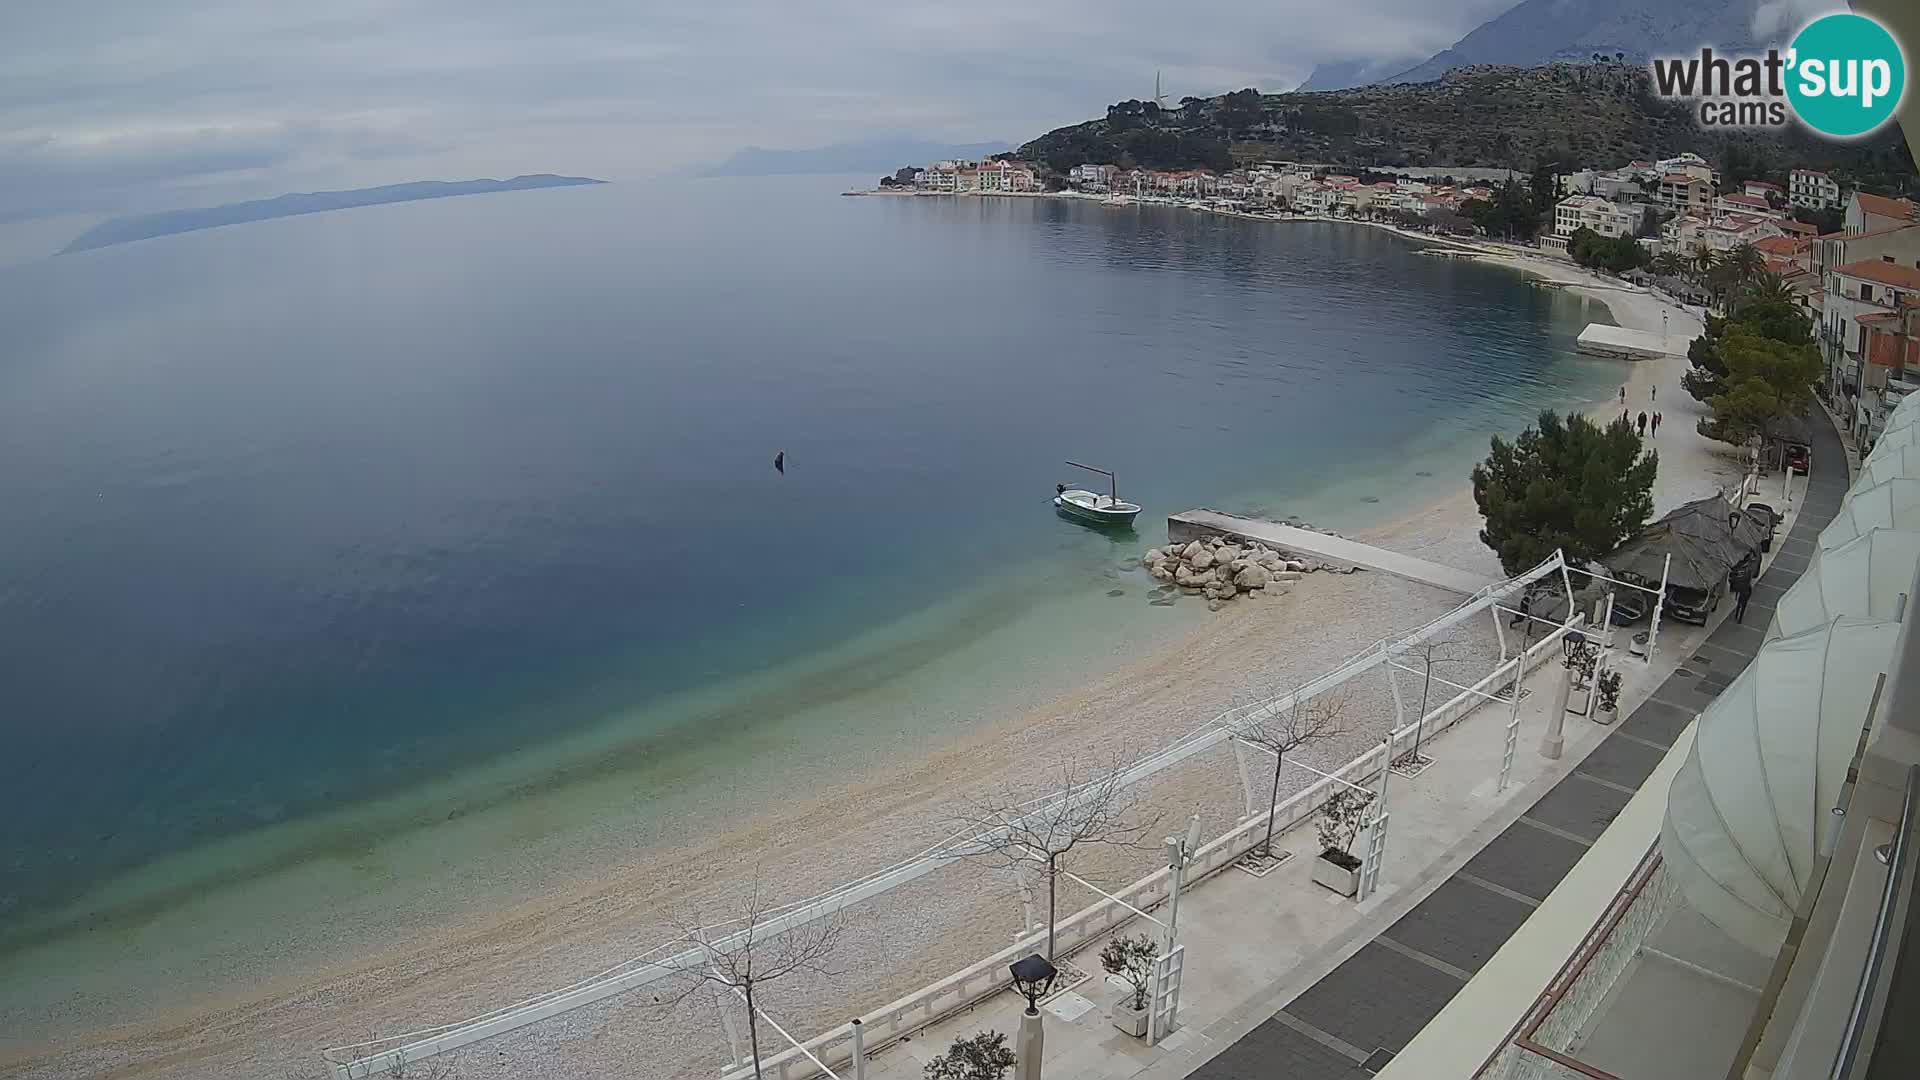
1891,504
1896,438
1865,576
1748,810
1897,462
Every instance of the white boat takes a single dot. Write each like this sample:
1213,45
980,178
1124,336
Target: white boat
1093,508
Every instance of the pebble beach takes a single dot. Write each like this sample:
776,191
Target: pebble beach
832,826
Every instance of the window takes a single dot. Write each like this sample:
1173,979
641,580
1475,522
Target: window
1866,291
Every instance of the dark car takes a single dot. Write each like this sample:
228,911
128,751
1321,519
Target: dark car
1693,605
1799,458
1768,517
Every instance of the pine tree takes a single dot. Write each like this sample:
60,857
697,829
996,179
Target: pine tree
1566,485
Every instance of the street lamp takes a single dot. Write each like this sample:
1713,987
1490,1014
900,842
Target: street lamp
1180,850
1032,976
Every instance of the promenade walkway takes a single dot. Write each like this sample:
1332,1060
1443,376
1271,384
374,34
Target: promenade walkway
1324,548
1351,1022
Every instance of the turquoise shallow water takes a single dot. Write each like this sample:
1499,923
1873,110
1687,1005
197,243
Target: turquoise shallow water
337,529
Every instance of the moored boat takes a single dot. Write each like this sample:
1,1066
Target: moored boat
1093,508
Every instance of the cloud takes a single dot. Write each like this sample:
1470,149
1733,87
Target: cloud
124,104
1777,19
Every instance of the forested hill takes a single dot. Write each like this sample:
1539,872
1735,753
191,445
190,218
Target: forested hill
1577,115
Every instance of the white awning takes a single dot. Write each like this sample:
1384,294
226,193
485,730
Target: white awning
1895,439
1898,462
1748,810
1905,413
1865,576
1891,504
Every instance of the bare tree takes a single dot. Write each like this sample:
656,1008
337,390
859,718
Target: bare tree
1429,653
741,956
1281,731
1089,806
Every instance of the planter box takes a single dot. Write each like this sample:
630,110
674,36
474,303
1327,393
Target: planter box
1605,716
1336,877
1127,1019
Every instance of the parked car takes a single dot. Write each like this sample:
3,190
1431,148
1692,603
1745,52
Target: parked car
1767,516
1694,605
1799,458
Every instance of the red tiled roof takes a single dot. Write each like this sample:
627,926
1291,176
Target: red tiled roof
1886,273
1881,206
1876,317
1761,184
1800,227
1779,245
1754,201
1681,178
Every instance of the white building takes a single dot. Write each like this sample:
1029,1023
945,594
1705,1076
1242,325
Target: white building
1870,213
1685,192
1812,188
1592,212
1093,177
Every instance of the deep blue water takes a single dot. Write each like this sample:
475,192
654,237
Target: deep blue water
302,512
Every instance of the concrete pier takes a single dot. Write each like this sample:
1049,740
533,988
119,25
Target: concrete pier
1334,550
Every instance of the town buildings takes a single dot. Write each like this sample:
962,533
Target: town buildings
1812,189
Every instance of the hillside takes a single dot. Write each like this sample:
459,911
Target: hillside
1544,31
125,230
872,155
1573,114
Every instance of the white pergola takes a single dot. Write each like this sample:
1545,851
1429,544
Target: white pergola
375,1058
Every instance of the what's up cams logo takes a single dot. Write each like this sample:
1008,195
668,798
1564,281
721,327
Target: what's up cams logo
1843,76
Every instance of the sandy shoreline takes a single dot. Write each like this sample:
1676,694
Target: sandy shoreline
904,802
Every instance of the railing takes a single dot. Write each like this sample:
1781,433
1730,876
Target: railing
361,1061
1886,930
1537,1048
907,1015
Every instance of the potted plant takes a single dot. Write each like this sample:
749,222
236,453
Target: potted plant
1580,664
1131,959
1608,687
1341,817
982,1056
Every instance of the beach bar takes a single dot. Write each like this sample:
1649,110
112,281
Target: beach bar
1620,343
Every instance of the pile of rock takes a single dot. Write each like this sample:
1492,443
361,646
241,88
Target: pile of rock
1221,569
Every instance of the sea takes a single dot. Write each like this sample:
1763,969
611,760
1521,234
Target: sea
331,536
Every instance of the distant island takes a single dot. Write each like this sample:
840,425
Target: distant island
125,230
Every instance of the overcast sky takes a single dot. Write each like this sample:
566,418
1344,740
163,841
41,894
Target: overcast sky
131,104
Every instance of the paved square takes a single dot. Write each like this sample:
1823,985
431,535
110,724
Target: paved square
1273,1050
1623,762
1526,860
1461,924
1377,998
1580,807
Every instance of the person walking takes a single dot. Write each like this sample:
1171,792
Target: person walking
1623,395
1656,423
1653,392
1741,578
1643,424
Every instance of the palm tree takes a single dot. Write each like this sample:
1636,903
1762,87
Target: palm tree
1770,288
1746,263
1704,260
1668,263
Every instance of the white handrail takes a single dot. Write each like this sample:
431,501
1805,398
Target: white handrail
643,970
